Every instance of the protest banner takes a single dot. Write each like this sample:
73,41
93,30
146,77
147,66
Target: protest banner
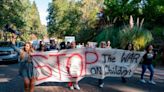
69,39
75,64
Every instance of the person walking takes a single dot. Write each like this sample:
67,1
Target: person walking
108,45
147,63
129,47
101,81
73,85
42,47
26,69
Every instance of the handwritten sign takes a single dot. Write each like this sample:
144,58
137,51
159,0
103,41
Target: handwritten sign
75,64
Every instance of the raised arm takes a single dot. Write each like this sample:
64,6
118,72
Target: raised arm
16,48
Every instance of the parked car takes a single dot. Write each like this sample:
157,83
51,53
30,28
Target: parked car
7,53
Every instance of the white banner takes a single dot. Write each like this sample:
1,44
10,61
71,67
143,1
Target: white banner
75,64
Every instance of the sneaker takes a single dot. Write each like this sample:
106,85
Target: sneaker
101,85
143,81
77,86
152,82
71,88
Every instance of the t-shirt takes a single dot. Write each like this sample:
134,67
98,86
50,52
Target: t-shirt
148,58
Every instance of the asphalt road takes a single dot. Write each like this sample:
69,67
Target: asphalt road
11,82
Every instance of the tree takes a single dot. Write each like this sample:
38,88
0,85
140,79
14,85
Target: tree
10,13
153,10
72,17
89,20
90,8
122,9
20,15
32,20
53,18
64,18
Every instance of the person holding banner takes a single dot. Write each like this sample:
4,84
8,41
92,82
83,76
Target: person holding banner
42,47
62,45
100,81
73,85
26,70
147,63
68,46
129,47
108,45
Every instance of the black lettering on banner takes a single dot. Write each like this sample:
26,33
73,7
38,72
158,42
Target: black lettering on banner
96,70
124,58
116,70
136,57
129,72
130,57
108,58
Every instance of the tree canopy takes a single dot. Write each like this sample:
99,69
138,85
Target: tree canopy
22,16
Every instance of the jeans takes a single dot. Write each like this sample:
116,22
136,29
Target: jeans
151,69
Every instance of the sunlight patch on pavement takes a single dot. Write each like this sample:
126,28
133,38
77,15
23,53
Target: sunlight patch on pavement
2,66
5,79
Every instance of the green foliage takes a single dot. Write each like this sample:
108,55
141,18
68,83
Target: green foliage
111,34
86,35
10,13
153,11
56,23
32,20
71,17
122,8
90,8
57,13
22,16
158,32
139,37
158,35
121,37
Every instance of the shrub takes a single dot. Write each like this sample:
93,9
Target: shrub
109,33
139,37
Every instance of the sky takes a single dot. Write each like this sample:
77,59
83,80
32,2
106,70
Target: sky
42,6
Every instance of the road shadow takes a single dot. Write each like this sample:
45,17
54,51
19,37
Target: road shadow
13,85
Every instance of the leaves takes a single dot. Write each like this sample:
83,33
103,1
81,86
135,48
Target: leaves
71,17
22,16
139,37
10,13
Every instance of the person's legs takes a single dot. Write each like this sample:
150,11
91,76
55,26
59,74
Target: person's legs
151,69
32,84
101,82
70,84
26,84
123,79
76,85
143,71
